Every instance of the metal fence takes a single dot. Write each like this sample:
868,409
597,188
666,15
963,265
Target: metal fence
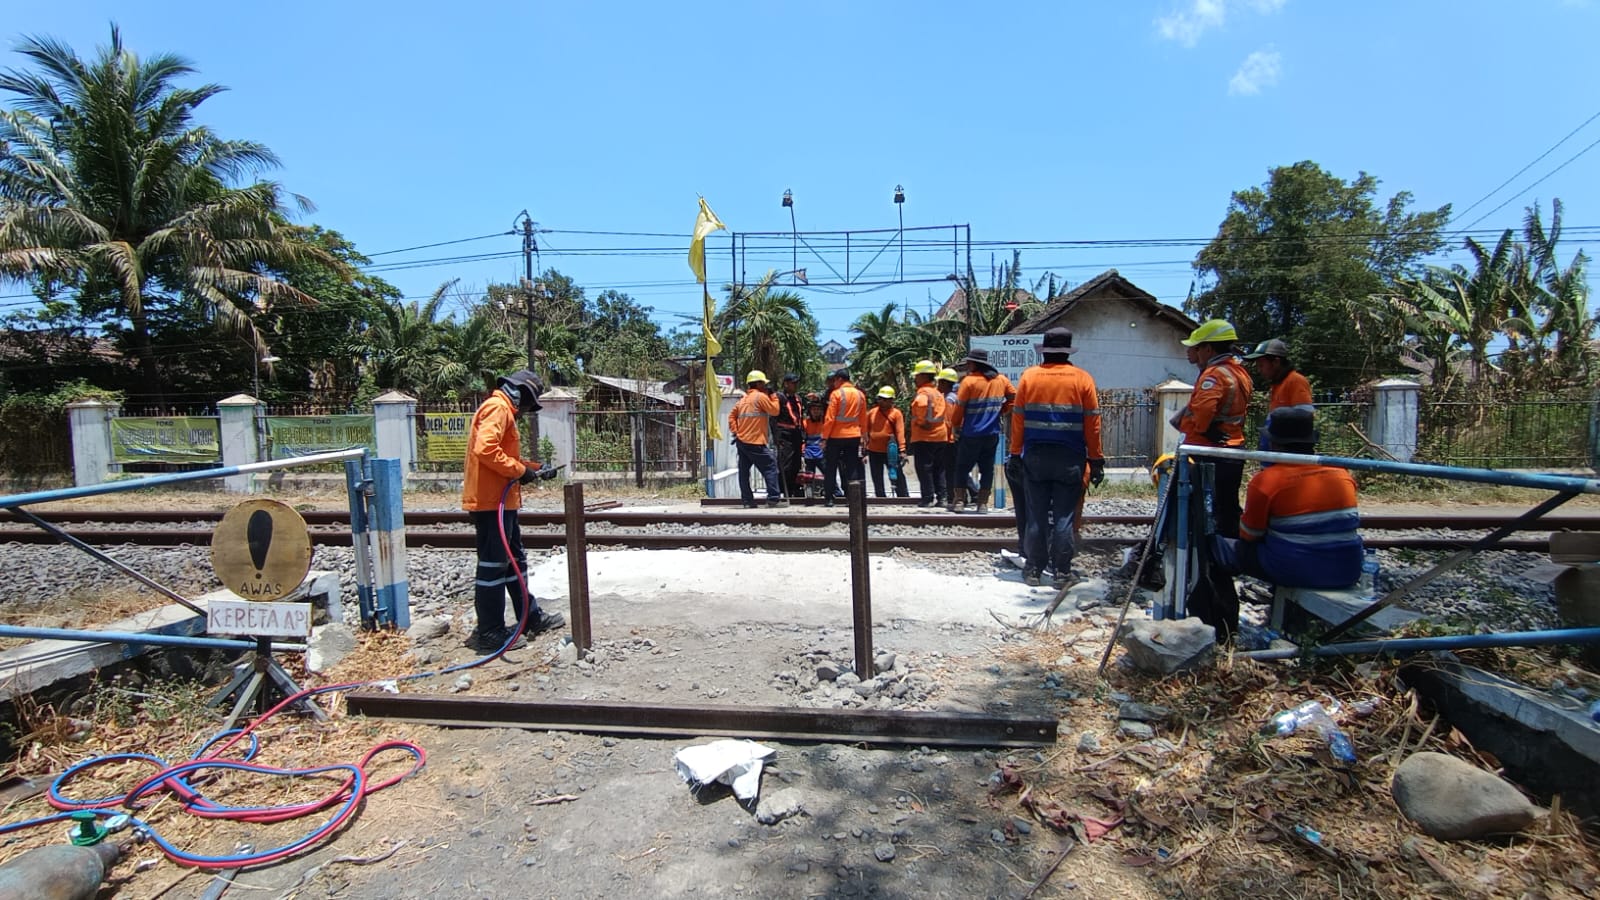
35,446
657,443
1493,429
1341,422
1129,420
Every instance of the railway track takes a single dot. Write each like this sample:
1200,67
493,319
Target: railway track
447,530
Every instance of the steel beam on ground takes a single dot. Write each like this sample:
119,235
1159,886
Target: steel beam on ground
913,727
577,567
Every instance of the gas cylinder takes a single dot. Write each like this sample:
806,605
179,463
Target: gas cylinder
58,872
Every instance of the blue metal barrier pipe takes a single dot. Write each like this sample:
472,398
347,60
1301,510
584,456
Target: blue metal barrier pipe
1447,642
133,637
1426,470
134,484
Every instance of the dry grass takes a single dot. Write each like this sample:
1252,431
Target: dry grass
82,607
1210,806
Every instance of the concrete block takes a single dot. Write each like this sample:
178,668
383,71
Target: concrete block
1335,606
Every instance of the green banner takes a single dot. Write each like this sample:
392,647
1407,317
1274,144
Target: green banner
293,436
447,436
180,439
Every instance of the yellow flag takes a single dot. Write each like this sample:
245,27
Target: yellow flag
712,346
704,224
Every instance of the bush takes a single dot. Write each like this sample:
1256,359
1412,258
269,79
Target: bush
34,436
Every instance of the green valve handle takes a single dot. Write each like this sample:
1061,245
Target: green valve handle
86,829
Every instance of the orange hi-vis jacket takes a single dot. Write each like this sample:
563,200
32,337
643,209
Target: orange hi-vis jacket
1057,403
981,401
883,427
928,416
1292,391
950,416
1305,523
1219,400
847,412
748,418
493,456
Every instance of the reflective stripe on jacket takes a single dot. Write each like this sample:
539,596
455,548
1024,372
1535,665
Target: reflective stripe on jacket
847,411
981,398
748,418
1220,397
884,427
928,416
493,456
1057,403
1306,523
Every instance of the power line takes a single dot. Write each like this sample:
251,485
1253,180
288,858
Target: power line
480,237
1570,161
1525,168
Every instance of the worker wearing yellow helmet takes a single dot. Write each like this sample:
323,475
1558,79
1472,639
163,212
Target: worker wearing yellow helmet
748,421
948,379
885,439
929,433
1216,412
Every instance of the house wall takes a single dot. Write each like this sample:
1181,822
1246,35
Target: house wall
1123,346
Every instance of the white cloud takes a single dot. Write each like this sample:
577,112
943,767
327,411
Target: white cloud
1188,24
1259,70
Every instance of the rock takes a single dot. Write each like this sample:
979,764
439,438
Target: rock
779,805
1453,800
847,679
884,851
430,628
1143,712
461,684
568,654
883,662
1167,646
1088,594
329,645
996,835
1088,742
425,656
866,688
1022,826
828,671
1139,731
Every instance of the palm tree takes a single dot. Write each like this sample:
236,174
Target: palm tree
474,354
403,345
1562,295
773,330
108,188
887,347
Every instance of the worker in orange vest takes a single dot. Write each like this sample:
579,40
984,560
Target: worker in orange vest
929,433
748,421
493,464
1215,415
982,399
1286,387
841,433
948,378
886,439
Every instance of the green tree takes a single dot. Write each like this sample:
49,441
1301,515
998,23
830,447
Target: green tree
771,329
473,354
404,346
110,190
887,346
1312,258
1559,295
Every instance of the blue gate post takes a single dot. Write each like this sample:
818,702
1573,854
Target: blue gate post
1176,608
389,539
358,485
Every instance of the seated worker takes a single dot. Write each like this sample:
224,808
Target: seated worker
1299,527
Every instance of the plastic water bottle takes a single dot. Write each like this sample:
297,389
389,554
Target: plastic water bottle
1594,710
1313,715
1368,584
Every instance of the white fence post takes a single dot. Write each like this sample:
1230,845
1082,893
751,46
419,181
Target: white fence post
238,433
558,422
90,421
1392,420
1171,397
395,428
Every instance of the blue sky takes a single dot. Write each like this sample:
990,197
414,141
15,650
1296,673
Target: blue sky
413,123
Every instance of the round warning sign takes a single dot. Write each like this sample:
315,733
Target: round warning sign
261,550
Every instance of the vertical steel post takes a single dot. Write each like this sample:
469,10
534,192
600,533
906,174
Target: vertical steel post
389,534
860,577
1177,609
357,485
639,444
577,567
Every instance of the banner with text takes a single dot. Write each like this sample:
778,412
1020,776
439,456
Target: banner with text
1010,353
293,436
179,439
447,436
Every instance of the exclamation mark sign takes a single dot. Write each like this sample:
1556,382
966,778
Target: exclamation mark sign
259,535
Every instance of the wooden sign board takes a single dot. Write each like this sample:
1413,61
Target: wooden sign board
256,619
261,550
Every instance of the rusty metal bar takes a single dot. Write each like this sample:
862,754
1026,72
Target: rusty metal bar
577,567
860,578
877,726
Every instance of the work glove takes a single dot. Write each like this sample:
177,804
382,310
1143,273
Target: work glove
1215,434
1014,469
529,473
547,473
1097,472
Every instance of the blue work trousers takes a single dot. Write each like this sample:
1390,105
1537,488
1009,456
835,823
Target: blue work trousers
1054,486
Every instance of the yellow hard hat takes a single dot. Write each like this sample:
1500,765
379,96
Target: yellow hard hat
1212,331
886,393
755,376
925,367
948,374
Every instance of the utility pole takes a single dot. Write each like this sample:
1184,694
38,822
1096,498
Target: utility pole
528,248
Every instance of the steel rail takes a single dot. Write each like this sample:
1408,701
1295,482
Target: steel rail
901,727
545,540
